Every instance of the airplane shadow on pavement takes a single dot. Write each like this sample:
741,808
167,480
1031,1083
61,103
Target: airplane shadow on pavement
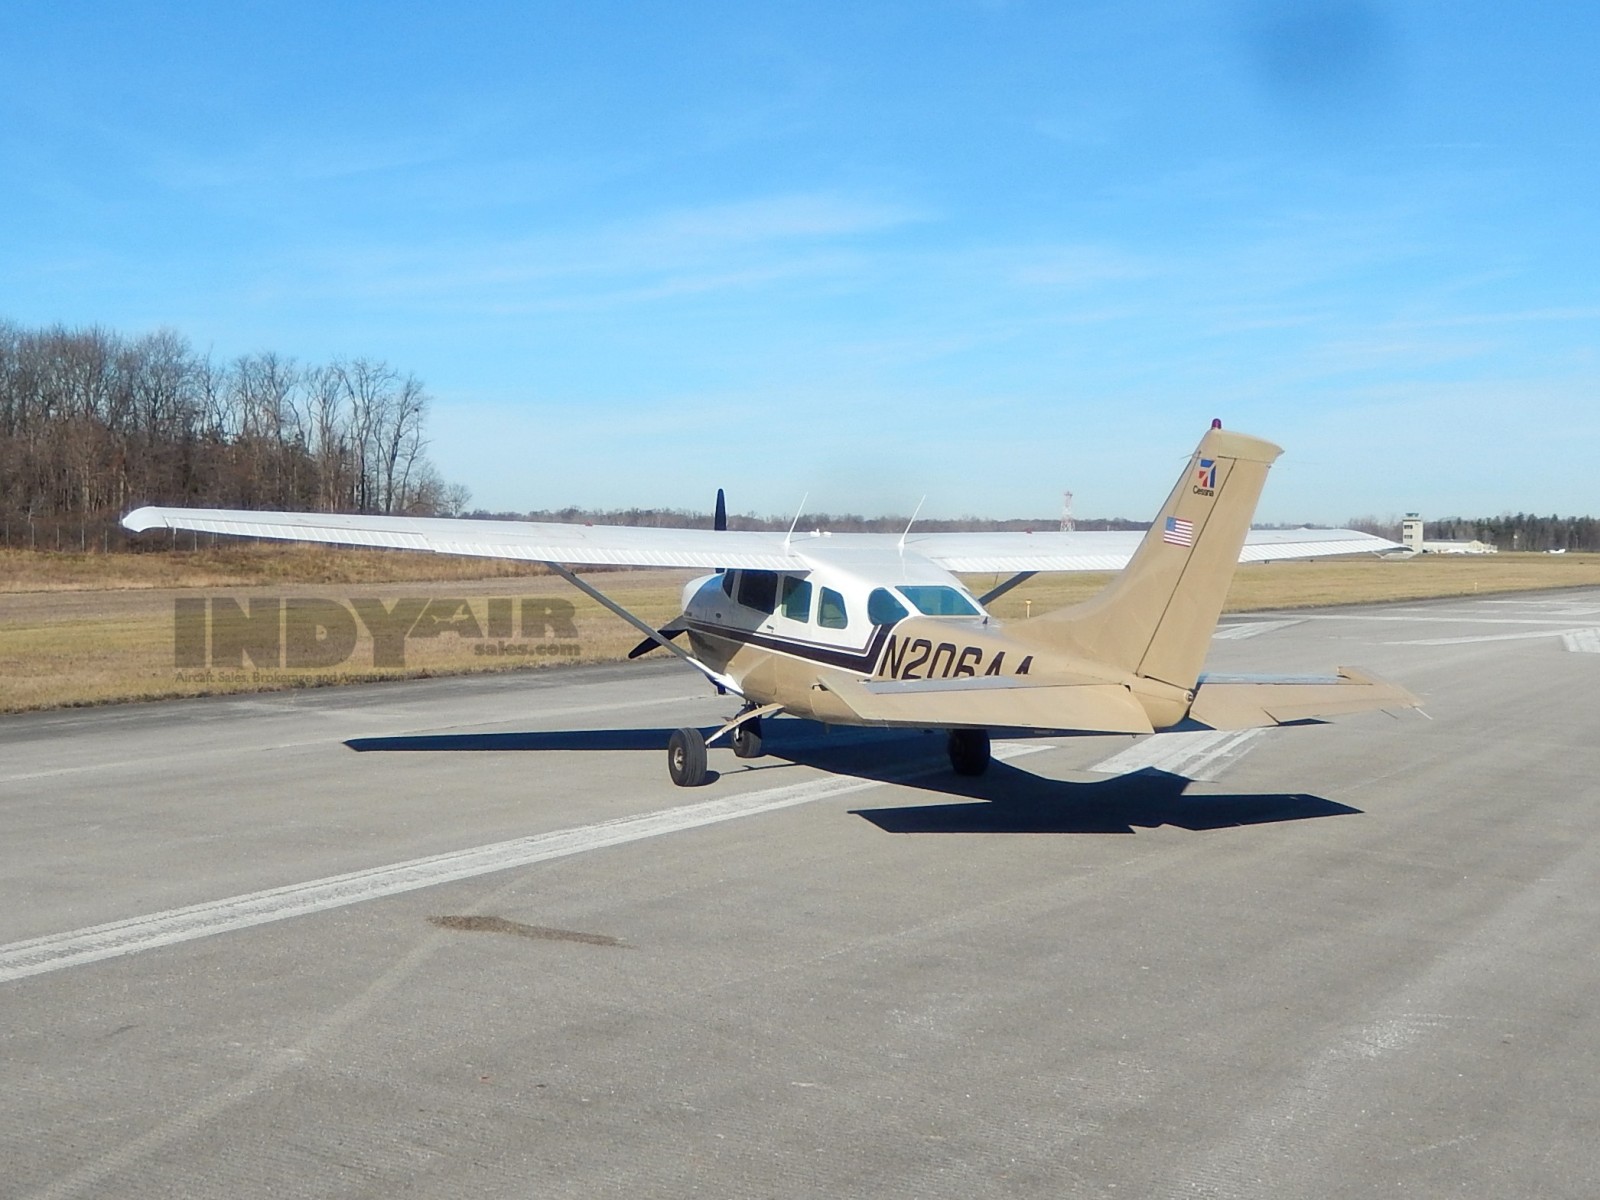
1006,799
1009,800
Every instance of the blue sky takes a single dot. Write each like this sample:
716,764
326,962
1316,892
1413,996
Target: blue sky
977,251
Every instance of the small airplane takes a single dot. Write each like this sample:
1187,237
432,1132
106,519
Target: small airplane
874,629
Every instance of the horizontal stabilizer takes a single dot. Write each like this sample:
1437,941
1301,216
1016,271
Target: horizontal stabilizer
1235,703
994,702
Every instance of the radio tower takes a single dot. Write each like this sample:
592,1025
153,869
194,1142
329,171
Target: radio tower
1066,512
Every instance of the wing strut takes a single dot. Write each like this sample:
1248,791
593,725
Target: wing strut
995,593
715,676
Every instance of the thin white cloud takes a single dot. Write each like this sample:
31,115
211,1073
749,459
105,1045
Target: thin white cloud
1080,266
1517,317
661,255
273,162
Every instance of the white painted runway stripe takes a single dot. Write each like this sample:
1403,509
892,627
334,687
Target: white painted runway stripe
1250,629
1493,637
1433,618
1572,608
1584,641
1199,755
56,951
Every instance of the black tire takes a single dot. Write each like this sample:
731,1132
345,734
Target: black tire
969,751
747,739
686,757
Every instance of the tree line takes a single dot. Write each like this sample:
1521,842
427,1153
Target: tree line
1522,531
1508,531
93,423
679,518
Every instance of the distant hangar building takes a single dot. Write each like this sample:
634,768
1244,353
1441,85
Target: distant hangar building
1411,538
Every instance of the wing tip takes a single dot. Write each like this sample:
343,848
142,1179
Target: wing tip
141,519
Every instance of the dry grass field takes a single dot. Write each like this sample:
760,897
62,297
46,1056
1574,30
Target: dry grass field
61,648
238,564
93,629
1337,581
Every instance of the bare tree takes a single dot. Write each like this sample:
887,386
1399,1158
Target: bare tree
92,422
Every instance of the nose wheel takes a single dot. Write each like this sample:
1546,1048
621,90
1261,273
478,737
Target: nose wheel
686,757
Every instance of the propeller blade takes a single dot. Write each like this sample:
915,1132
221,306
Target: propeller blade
650,644
719,519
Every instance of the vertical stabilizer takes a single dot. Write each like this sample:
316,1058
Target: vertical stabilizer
1155,620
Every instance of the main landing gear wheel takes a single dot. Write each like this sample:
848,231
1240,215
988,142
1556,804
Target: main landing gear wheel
686,757
747,739
969,751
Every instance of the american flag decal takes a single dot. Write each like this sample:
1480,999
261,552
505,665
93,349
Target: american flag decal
1178,532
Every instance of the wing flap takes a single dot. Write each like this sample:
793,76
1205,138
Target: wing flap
1242,704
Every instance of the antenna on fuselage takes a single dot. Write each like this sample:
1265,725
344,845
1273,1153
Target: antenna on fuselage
796,520
912,522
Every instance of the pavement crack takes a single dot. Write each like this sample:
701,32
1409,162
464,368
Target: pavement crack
473,923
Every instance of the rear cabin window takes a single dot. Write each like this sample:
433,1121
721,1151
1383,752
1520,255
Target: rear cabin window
759,590
796,598
936,600
830,610
884,609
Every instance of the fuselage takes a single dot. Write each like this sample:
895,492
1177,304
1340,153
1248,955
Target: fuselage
786,636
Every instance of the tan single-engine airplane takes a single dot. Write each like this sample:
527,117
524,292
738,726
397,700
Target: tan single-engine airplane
874,629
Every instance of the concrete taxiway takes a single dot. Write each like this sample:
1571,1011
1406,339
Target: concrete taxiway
463,937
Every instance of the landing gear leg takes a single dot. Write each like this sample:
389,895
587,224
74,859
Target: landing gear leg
969,751
747,739
686,757
744,731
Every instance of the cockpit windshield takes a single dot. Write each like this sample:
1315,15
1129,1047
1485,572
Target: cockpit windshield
938,600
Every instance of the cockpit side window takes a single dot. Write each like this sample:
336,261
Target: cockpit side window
883,608
796,598
831,613
727,583
758,590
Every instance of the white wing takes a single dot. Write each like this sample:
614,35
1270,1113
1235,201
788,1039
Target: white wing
635,546
533,541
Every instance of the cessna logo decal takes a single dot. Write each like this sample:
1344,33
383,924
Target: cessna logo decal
1205,478
921,658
